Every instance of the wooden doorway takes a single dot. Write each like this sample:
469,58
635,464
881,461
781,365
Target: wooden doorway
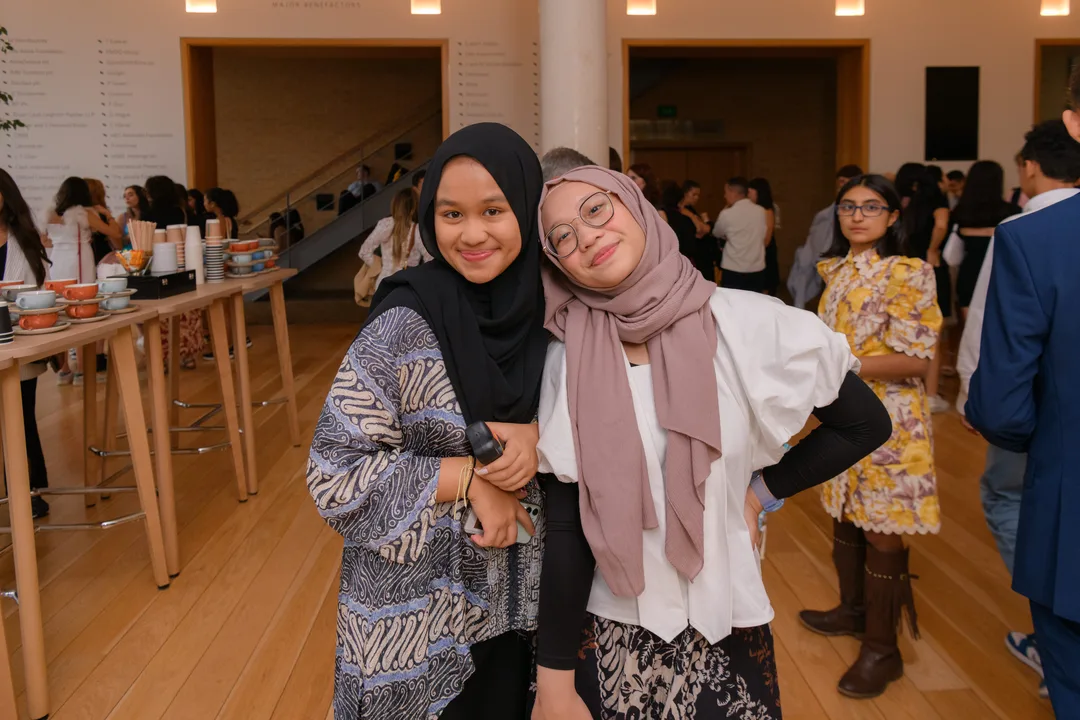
710,164
1054,61
197,64
852,59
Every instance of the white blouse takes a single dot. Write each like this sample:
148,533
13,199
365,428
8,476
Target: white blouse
774,364
382,237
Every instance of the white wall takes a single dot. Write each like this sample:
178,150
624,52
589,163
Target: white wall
65,45
905,37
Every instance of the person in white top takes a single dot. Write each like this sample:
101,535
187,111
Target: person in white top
1049,169
396,238
745,228
664,411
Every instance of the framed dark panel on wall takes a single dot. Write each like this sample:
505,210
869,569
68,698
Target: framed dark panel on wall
952,113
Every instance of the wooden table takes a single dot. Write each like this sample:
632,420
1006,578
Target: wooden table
212,297
273,282
118,330
7,685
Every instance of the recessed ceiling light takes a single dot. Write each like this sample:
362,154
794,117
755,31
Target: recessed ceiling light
1055,8
202,6
426,7
850,8
640,7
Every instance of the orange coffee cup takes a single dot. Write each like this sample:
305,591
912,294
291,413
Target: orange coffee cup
58,285
9,283
38,322
83,291
82,312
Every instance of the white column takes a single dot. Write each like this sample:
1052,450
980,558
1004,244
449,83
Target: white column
573,77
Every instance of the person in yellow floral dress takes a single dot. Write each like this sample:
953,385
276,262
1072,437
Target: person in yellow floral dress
886,305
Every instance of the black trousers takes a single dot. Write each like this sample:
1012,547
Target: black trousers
753,282
499,688
39,477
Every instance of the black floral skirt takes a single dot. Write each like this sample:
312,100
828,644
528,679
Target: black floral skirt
625,671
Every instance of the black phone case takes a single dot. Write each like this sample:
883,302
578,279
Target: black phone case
486,447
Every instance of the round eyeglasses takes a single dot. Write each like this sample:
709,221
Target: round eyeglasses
870,209
596,211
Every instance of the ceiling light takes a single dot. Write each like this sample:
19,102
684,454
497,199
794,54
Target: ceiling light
426,7
640,7
202,6
850,8
1055,8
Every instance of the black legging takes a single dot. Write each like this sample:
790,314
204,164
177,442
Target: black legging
499,687
39,477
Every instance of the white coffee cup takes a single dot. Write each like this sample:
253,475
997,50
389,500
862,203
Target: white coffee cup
164,259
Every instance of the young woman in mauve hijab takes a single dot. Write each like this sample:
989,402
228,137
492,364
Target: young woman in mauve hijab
665,407
432,622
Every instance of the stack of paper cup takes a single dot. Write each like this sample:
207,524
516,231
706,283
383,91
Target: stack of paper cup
193,253
181,254
175,233
164,260
215,262
160,236
213,229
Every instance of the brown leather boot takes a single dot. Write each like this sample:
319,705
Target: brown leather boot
849,556
888,592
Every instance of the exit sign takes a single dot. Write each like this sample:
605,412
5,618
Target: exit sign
667,111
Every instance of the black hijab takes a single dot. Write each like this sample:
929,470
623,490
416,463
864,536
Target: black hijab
492,336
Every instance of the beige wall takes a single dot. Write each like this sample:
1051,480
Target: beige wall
753,98
282,114
905,37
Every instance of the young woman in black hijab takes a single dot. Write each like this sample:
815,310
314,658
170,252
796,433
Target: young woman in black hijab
431,619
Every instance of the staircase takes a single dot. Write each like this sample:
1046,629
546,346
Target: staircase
322,242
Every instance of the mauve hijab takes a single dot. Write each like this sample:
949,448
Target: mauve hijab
664,303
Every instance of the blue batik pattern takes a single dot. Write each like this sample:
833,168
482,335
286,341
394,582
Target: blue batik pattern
416,593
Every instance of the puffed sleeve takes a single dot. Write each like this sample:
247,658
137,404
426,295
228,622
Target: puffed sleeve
556,446
911,301
786,360
368,483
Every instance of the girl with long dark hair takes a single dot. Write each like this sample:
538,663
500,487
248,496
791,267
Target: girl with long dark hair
165,206
982,208
72,222
222,204
23,257
643,176
453,342
136,206
885,302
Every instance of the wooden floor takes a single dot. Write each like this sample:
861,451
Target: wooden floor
247,629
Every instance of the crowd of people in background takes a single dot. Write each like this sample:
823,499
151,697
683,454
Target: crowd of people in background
79,239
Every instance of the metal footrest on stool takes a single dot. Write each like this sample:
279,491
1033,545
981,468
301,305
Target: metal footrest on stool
100,525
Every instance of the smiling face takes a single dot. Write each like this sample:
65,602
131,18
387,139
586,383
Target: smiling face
475,228
861,230
605,255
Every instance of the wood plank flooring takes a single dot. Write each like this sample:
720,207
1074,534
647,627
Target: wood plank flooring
247,629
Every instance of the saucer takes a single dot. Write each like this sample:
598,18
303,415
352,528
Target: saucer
120,293
82,321
42,311
91,301
132,307
44,331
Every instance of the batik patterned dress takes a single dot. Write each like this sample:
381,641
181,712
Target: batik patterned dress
885,306
416,593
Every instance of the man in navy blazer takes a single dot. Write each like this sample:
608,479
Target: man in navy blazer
1025,397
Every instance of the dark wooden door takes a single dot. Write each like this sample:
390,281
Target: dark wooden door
708,165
